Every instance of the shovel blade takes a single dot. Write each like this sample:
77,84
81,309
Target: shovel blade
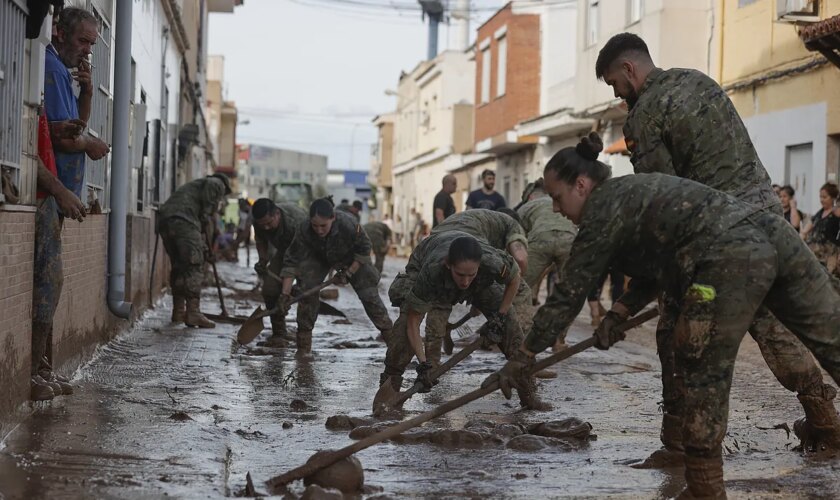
382,401
252,327
329,310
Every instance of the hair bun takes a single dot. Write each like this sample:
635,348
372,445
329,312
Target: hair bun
590,146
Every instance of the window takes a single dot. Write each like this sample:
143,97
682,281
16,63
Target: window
634,11
592,22
485,75
11,88
295,176
96,172
501,66
742,3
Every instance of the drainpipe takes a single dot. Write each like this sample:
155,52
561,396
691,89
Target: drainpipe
120,164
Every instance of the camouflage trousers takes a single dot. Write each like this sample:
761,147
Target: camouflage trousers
437,319
380,250
545,251
48,278
186,247
364,282
399,352
271,291
755,264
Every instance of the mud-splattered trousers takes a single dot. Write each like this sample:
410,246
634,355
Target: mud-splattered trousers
486,299
186,247
380,250
312,272
544,251
48,278
437,318
762,261
784,354
684,124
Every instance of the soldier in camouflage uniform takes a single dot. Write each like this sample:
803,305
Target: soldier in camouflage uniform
719,258
550,237
331,240
502,232
275,227
183,221
682,123
380,241
445,269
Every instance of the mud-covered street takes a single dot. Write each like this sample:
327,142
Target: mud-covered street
186,413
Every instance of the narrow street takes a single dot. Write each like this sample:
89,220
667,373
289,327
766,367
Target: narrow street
182,413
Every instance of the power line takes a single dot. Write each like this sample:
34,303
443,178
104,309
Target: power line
248,138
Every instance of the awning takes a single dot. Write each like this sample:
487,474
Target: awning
823,37
618,147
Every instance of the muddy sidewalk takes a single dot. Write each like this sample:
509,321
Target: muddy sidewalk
166,411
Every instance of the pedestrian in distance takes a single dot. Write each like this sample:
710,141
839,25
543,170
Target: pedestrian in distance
486,196
443,205
823,232
792,214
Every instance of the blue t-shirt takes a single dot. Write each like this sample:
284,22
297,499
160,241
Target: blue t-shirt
492,201
61,104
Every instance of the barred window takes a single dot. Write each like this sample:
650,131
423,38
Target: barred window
96,172
12,39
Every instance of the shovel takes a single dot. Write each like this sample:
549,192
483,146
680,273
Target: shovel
254,324
216,275
387,398
276,484
448,343
323,307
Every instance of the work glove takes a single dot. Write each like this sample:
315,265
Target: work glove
424,376
494,331
513,375
607,332
342,277
284,303
260,267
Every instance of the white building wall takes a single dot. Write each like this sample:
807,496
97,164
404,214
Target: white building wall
558,27
773,135
151,49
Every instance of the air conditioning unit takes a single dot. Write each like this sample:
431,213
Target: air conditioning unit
797,11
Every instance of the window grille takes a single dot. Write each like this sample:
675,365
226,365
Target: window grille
96,172
12,39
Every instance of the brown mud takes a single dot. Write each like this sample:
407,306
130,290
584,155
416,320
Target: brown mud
113,438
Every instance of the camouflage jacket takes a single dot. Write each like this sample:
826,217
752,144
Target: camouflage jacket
291,218
498,229
540,220
647,226
195,201
684,124
346,208
378,232
345,243
431,284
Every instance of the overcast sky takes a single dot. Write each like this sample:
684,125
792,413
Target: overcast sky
310,75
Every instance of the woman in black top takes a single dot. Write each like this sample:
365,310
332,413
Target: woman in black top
821,235
792,214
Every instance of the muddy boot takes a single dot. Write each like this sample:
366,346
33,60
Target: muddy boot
304,345
820,428
528,397
55,386
39,390
278,333
704,478
179,309
195,318
672,454
433,351
64,386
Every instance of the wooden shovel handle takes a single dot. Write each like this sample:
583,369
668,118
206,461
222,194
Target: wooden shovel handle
437,372
276,484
